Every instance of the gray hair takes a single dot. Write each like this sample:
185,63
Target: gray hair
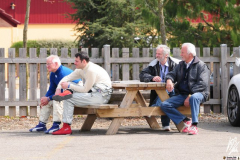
55,58
166,49
190,48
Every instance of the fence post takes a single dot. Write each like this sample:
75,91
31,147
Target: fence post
12,82
2,82
224,76
23,87
106,60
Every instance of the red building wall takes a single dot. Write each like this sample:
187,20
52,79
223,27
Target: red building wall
41,11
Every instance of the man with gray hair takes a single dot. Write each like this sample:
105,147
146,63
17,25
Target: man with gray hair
156,72
192,78
47,103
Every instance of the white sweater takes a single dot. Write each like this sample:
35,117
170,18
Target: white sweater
91,73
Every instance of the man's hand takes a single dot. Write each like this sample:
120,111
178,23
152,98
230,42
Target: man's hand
157,79
44,101
64,85
186,102
169,85
58,91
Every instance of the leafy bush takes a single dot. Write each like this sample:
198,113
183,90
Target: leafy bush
45,44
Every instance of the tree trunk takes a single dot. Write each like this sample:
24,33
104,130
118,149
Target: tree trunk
162,23
25,29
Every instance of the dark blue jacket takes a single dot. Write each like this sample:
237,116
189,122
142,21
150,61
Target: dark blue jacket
55,78
198,77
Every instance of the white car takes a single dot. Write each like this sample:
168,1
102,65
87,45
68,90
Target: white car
233,101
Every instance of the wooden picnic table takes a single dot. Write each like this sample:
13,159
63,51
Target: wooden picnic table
128,107
133,89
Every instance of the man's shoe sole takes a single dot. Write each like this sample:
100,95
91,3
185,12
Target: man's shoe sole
61,98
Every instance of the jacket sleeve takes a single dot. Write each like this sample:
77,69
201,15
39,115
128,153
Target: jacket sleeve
203,80
146,74
173,74
52,88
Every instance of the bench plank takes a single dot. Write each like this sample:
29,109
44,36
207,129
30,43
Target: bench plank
138,112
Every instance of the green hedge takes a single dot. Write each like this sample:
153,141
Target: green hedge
45,44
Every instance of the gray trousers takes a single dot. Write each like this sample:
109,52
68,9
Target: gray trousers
79,100
56,107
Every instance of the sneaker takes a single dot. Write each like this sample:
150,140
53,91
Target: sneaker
166,128
193,130
40,127
187,126
66,129
54,127
67,94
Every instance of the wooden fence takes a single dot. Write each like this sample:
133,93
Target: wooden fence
121,64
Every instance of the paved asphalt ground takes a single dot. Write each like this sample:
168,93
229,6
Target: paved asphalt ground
133,143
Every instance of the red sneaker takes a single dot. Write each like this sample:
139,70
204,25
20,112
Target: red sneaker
66,129
187,124
193,130
63,96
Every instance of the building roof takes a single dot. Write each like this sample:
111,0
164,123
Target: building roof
8,18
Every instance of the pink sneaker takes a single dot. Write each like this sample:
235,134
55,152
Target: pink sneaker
187,124
193,130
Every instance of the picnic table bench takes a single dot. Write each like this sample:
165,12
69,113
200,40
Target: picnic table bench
128,108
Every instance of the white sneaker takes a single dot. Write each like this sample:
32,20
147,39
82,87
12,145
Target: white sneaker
166,128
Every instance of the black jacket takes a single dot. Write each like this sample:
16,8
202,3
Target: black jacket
153,70
198,77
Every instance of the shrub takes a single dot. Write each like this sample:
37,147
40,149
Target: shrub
45,44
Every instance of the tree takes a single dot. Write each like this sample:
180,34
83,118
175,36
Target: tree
26,24
111,22
177,16
153,14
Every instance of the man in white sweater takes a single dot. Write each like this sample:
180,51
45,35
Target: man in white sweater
96,90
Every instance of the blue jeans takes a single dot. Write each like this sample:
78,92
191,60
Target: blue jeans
169,107
157,103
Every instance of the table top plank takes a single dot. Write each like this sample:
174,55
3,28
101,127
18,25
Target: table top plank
136,83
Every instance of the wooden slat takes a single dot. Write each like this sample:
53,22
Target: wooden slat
236,53
20,103
2,82
23,82
73,52
176,52
162,94
216,79
85,50
43,73
126,103
125,67
107,63
145,54
224,77
101,106
88,123
12,82
53,51
135,67
115,67
33,82
137,112
206,53
64,54
198,51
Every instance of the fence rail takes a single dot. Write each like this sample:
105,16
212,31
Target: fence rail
121,64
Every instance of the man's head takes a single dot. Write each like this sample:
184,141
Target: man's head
188,51
81,59
162,53
53,63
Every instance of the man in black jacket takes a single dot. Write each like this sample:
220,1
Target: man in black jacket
156,72
191,77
